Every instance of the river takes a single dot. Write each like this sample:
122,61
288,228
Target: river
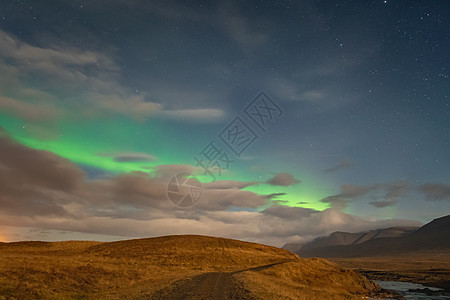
411,291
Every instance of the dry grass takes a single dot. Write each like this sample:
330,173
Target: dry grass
308,279
136,269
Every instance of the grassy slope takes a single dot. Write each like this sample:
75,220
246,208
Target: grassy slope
138,268
314,278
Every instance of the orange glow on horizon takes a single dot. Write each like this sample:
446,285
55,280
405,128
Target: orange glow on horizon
3,238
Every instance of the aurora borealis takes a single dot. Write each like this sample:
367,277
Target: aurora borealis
122,95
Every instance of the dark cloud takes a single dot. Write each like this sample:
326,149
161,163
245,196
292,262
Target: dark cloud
354,191
142,191
435,191
283,179
130,157
34,181
381,204
274,195
229,184
139,190
396,190
336,201
392,191
340,166
22,165
222,199
349,192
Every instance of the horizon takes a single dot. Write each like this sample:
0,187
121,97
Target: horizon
193,234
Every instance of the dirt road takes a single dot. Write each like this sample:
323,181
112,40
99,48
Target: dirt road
216,285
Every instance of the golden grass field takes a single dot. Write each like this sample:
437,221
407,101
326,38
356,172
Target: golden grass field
146,268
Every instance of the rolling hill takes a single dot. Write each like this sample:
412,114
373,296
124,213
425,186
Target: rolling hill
171,267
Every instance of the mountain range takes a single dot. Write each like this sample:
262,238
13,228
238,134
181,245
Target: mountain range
434,236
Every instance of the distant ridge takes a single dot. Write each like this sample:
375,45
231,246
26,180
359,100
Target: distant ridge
340,238
432,236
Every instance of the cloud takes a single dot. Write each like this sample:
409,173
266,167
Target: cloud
130,157
300,224
39,189
287,212
202,115
222,199
340,166
396,189
390,192
35,175
28,111
92,79
167,171
353,191
42,167
273,228
393,192
34,181
283,179
135,106
273,196
435,191
336,201
237,27
52,60
89,77
313,95
229,184
381,204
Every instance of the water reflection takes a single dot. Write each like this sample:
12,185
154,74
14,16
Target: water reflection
413,291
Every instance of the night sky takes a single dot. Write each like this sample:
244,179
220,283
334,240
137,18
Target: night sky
340,112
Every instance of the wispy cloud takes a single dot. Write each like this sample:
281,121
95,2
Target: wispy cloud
28,111
435,191
242,32
349,192
92,80
283,179
202,115
129,157
345,164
